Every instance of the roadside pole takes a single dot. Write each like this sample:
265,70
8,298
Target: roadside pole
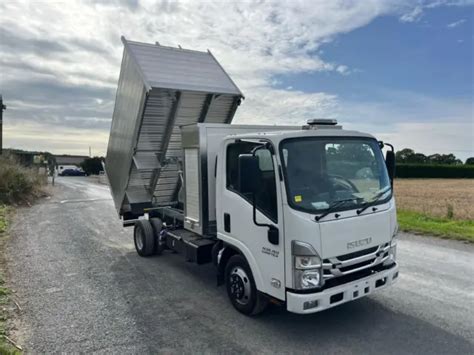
2,107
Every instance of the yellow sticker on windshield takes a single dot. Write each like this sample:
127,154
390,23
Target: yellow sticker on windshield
298,198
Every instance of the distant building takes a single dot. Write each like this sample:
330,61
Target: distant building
70,159
27,158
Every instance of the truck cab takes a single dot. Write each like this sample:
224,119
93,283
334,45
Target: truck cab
312,213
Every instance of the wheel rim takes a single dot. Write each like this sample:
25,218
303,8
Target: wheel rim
139,239
240,285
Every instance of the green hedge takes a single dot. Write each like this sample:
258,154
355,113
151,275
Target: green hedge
434,171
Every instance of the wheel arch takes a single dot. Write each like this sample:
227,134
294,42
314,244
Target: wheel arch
228,252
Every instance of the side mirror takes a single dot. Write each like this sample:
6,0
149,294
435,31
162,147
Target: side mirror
273,235
390,163
250,181
250,178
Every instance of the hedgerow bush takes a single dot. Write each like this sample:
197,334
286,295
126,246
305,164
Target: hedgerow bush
434,171
19,184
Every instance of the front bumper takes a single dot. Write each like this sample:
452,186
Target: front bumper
335,296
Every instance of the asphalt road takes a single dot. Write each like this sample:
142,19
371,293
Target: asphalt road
83,288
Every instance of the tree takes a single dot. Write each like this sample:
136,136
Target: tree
92,166
404,155
408,156
470,161
443,159
418,158
353,152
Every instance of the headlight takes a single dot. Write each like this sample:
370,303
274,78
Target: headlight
307,262
307,266
310,278
307,279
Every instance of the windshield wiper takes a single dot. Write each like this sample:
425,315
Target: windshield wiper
373,201
333,206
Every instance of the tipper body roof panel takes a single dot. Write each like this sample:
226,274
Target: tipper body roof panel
181,69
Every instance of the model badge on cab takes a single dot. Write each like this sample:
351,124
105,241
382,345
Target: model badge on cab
359,243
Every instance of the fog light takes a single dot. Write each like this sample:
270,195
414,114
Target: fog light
310,304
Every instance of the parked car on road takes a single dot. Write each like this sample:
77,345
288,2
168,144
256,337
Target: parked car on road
72,172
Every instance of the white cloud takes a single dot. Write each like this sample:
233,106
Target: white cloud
273,106
60,60
343,69
456,23
434,137
55,139
413,120
412,16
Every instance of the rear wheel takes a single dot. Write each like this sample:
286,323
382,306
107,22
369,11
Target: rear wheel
241,289
144,238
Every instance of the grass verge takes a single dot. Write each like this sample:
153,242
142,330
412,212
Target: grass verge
3,219
5,302
443,227
18,184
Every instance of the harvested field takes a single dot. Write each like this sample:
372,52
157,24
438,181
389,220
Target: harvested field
447,198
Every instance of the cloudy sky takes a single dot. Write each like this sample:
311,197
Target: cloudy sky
401,70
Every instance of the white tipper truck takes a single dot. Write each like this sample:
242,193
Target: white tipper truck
302,216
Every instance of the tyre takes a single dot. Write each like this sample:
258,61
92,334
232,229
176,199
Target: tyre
144,238
157,225
241,289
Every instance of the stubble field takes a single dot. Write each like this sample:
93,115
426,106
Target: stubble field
443,207
445,198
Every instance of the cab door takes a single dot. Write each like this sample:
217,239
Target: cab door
234,214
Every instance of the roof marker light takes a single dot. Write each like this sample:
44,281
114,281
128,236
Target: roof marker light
322,122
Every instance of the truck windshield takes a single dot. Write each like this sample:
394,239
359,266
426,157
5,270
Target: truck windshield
319,172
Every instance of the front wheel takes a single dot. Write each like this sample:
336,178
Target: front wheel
241,289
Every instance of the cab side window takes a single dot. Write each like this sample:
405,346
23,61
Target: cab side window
266,200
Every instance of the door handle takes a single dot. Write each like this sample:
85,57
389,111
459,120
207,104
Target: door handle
227,222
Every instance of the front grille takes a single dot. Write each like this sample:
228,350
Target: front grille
357,254
354,262
337,281
356,266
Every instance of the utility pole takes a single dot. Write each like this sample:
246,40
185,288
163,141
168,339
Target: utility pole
2,107
90,156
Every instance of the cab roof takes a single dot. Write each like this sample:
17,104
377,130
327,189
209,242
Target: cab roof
318,132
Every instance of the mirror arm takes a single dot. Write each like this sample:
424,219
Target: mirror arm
254,207
254,197
272,238
391,146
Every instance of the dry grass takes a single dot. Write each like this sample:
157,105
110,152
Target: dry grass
19,185
445,198
7,306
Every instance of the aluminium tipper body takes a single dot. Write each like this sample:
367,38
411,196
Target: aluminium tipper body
160,89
